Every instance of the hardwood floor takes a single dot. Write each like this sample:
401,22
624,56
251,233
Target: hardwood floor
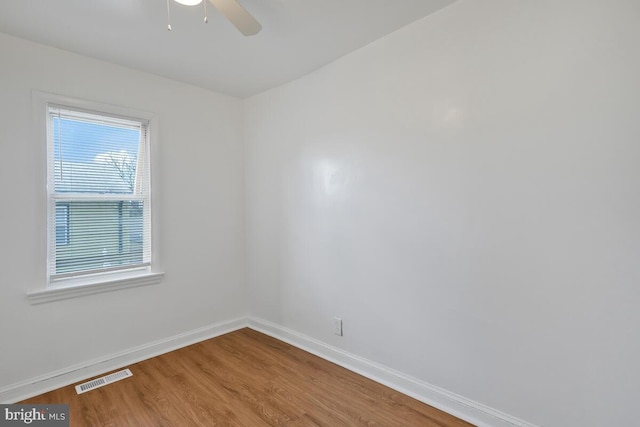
244,378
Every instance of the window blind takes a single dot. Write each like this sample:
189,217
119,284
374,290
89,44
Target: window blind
98,193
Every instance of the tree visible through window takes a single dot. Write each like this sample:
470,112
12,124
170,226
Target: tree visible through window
99,191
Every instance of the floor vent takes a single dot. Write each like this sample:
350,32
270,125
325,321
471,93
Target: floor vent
99,382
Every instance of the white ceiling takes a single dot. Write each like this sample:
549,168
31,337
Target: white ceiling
297,37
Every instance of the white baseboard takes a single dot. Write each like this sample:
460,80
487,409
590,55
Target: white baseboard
72,374
461,407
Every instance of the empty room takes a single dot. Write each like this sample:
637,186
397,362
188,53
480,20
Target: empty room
320,212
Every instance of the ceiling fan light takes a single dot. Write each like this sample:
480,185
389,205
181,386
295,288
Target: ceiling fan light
189,2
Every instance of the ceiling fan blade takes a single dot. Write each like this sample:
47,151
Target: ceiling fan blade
238,16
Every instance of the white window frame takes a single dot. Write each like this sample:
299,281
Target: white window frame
87,284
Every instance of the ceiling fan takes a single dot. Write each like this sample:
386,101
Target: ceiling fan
231,9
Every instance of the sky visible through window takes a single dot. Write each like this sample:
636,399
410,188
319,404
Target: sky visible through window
94,157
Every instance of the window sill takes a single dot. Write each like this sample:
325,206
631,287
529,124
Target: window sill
91,288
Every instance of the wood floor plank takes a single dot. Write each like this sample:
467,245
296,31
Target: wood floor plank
244,378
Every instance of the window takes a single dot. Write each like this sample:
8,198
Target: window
98,193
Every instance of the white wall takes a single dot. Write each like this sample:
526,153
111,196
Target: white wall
465,194
198,211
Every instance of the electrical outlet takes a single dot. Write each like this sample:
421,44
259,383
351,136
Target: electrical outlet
337,326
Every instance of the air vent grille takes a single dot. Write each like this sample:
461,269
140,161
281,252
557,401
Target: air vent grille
102,381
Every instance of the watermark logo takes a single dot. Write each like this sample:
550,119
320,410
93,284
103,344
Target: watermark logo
34,415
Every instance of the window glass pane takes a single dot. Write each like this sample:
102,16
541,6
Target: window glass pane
62,224
94,157
102,235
